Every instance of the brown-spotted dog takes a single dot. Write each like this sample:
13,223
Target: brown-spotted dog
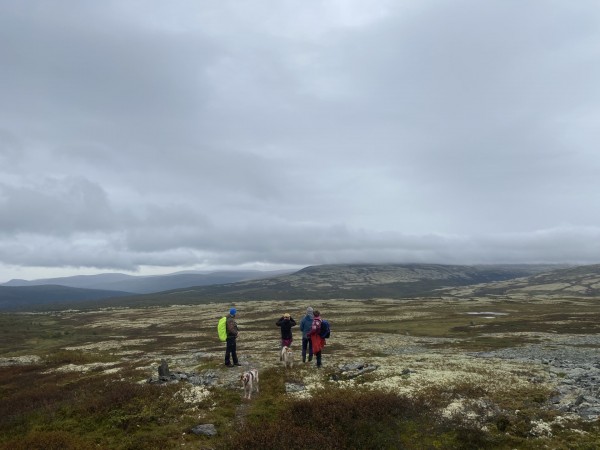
287,356
249,380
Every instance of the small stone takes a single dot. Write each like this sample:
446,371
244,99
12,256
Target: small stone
207,429
294,387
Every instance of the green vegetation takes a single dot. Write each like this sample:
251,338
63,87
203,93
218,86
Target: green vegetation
366,419
87,389
350,419
52,410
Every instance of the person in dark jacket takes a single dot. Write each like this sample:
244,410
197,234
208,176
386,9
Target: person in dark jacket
305,326
286,323
232,334
317,341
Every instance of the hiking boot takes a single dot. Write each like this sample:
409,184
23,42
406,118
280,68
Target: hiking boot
229,364
236,364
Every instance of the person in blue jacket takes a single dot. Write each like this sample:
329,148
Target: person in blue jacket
305,326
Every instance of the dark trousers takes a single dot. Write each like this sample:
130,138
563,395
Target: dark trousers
318,354
231,350
306,342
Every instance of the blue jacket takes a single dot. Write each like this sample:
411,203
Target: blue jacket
305,325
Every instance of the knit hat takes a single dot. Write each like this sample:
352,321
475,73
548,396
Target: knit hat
309,311
286,315
232,311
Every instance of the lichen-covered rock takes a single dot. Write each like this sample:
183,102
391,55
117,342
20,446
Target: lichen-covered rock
207,429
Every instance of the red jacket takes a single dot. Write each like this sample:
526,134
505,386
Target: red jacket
317,341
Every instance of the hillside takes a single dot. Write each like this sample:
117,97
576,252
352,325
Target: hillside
24,298
147,284
348,281
580,281
73,292
351,281
98,281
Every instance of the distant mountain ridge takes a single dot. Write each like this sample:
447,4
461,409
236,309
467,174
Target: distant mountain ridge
76,281
351,281
579,281
147,284
23,298
78,290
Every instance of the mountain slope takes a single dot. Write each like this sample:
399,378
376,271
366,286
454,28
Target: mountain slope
580,281
147,284
352,281
22,298
77,281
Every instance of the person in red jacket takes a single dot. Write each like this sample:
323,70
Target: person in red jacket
317,341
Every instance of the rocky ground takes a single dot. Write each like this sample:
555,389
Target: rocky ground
570,363
400,346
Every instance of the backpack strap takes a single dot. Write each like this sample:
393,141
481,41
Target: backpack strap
316,325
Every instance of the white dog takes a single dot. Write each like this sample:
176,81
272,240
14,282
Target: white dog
287,356
249,380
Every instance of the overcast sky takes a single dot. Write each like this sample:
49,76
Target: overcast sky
149,136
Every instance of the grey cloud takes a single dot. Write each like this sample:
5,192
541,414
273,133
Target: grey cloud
10,148
311,245
54,206
298,133
92,64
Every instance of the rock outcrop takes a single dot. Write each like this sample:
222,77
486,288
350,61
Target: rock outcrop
571,363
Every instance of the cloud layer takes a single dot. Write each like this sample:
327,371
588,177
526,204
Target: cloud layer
272,134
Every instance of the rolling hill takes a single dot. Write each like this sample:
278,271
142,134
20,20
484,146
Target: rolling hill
147,284
24,298
580,281
351,281
343,281
74,291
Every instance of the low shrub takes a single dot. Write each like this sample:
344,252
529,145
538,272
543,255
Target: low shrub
62,410
348,419
47,440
